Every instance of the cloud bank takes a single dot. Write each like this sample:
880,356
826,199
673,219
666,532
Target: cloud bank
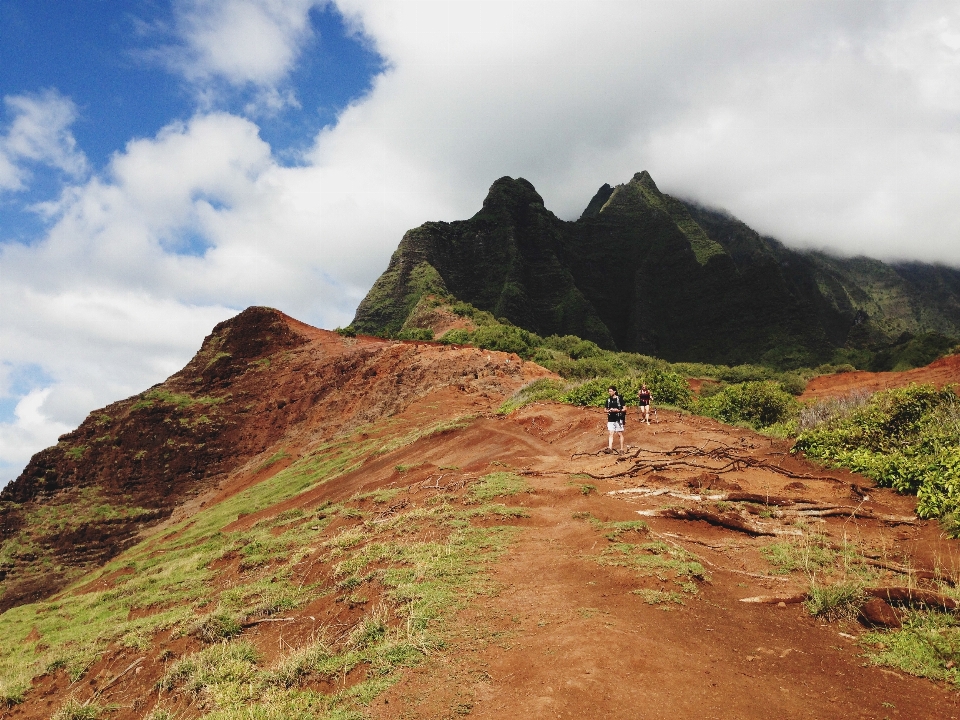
829,124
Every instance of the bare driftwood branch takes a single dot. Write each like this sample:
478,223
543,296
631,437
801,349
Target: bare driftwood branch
776,599
729,520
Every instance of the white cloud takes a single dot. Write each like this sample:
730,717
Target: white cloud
241,42
39,133
32,429
829,123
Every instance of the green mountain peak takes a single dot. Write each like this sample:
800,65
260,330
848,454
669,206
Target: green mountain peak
643,271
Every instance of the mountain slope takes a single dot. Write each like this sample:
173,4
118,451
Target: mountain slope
366,536
262,386
643,271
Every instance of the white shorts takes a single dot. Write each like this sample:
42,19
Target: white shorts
615,426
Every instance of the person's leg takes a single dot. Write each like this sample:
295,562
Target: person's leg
621,441
610,440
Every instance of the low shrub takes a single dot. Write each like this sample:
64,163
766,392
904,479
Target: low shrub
415,334
506,338
667,388
905,438
458,336
758,404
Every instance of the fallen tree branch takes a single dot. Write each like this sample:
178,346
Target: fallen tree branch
912,596
776,599
729,520
847,511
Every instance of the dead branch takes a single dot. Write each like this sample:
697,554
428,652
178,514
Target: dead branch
666,538
776,599
729,520
912,596
846,511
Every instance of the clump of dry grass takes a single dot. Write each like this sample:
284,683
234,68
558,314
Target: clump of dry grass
825,410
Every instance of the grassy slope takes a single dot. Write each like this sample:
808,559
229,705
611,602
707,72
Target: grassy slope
427,562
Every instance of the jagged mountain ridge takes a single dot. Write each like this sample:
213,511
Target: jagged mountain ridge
642,271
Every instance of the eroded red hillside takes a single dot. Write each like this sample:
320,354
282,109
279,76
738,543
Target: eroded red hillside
944,371
260,381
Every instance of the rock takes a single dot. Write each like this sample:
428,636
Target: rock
877,612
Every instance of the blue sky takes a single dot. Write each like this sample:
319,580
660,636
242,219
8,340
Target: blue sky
164,164
108,58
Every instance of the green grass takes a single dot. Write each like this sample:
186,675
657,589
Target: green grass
659,597
667,563
841,601
498,484
809,555
928,645
75,710
420,583
178,400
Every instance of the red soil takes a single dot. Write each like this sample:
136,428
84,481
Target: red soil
945,371
564,636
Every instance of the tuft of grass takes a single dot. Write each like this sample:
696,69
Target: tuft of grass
497,484
73,709
836,602
810,554
659,597
273,460
13,690
406,468
76,453
614,529
537,391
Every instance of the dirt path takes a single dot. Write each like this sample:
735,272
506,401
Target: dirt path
567,637
592,618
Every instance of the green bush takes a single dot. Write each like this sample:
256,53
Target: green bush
905,438
458,336
573,346
758,404
667,388
415,334
506,338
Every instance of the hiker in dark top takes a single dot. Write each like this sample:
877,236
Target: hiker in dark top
615,417
644,399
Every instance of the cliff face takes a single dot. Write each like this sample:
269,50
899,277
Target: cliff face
643,271
505,259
